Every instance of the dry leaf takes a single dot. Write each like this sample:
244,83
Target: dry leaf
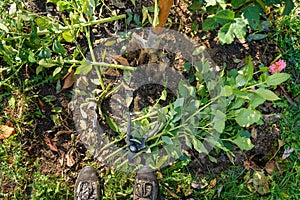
178,189
254,133
250,165
260,182
199,185
8,123
121,60
50,144
69,80
247,165
212,183
70,158
280,143
6,131
59,133
270,167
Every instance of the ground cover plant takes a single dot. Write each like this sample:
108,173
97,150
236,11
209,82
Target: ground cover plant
45,45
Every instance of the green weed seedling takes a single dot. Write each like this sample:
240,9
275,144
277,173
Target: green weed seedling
232,18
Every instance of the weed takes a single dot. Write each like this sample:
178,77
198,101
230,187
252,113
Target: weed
235,17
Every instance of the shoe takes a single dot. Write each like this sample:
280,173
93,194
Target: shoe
145,186
87,186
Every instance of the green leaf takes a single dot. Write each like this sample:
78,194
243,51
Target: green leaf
237,28
179,103
161,161
256,36
46,63
4,28
68,36
238,103
198,146
166,140
84,68
196,5
57,70
44,53
243,143
277,78
266,94
241,94
127,75
225,34
288,7
224,16
111,123
248,69
240,80
245,117
198,50
39,69
252,15
226,91
237,3
219,121
209,24
133,2
255,101
185,90
42,23
58,48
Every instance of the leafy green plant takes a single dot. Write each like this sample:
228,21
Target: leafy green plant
235,16
286,37
198,115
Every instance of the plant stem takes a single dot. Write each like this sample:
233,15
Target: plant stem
65,28
17,71
98,71
123,67
85,24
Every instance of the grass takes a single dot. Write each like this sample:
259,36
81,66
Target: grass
20,177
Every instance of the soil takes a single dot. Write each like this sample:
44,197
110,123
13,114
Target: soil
68,153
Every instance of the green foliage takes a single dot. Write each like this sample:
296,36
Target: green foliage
235,16
286,35
21,182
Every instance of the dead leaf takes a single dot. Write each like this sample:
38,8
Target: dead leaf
50,144
69,80
70,158
41,103
121,60
59,133
178,189
287,153
247,165
6,131
260,182
278,168
280,143
199,185
10,124
254,133
212,183
270,167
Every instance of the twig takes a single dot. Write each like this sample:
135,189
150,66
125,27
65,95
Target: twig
288,98
170,191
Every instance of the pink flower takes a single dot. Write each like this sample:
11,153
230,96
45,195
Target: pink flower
277,67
